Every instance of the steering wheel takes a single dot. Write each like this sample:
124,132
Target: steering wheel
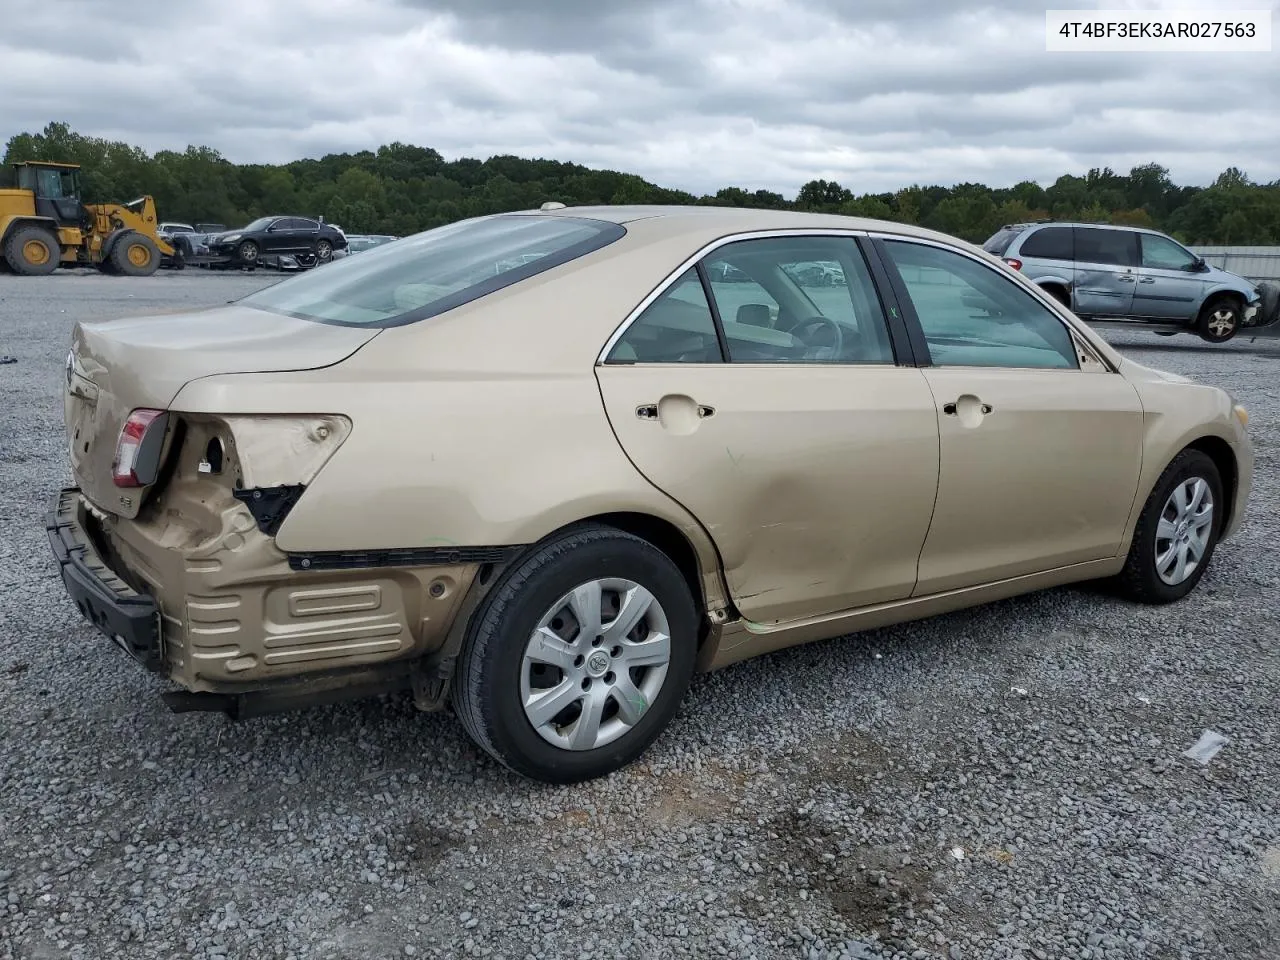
818,321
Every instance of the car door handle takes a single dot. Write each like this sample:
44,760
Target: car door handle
1147,280
952,410
1126,277
649,411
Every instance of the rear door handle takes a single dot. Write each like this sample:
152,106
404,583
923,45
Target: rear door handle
951,410
649,411
1126,277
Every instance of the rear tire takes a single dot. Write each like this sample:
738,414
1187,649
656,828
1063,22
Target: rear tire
1220,320
324,251
1165,534
135,255
32,251
527,640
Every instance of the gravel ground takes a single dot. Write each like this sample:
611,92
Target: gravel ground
1004,783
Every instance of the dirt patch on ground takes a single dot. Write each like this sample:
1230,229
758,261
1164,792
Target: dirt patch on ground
684,801
423,843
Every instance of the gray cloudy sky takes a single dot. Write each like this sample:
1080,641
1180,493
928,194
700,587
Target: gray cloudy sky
695,94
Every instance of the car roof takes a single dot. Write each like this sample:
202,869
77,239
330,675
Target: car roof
1079,223
712,221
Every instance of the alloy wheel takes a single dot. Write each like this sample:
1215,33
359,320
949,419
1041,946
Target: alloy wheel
594,663
1222,321
1183,531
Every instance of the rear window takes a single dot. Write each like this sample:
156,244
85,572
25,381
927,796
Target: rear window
999,241
1049,243
425,275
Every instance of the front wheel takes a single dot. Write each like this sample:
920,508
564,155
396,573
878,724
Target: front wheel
1177,531
579,658
247,252
1219,321
135,255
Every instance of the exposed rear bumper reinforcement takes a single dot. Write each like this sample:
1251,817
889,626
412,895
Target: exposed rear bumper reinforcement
282,696
129,618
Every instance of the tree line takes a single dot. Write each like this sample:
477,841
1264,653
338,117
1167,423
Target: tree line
401,188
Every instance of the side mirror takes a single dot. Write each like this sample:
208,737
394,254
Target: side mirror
1198,266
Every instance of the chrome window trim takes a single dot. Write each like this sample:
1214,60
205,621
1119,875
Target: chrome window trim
706,249
1076,327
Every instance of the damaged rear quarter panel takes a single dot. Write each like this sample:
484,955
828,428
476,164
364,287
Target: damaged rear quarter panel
237,615
475,428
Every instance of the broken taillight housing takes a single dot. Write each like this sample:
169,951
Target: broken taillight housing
124,468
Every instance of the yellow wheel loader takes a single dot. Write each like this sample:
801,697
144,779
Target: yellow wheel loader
44,224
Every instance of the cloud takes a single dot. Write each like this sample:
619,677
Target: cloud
696,94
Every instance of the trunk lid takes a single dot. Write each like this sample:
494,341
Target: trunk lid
117,366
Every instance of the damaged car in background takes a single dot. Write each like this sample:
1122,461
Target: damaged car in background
301,238
542,467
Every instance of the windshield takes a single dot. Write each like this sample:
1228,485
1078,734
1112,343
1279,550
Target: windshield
435,271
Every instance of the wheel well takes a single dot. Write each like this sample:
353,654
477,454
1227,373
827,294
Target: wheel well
1058,291
1221,295
1219,451
667,537
20,222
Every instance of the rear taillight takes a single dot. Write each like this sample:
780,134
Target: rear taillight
1013,262
124,468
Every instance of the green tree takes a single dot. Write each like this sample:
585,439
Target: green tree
400,188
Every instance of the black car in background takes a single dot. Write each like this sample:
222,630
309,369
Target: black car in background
273,236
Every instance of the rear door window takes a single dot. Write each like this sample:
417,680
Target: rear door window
1113,247
798,300
1049,243
678,327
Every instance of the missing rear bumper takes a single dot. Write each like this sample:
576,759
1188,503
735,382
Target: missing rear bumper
286,696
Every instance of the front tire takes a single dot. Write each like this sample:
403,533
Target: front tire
135,255
1176,533
247,253
1219,320
579,657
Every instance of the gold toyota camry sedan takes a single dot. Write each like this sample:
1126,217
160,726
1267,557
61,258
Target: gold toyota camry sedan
542,467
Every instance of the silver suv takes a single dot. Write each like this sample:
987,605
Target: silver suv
1128,273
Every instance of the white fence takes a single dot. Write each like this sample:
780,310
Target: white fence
1252,263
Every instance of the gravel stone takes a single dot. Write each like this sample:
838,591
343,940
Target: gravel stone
802,805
